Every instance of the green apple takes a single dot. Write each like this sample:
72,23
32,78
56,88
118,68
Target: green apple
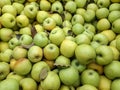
57,7
49,23
115,84
103,3
51,51
86,87
89,76
67,23
113,43
67,48
5,2
67,15
4,70
114,68
6,34
103,24
69,8
77,19
85,53
22,20
3,46
90,27
118,43
82,39
70,38
30,11
8,20
80,11
114,7
92,6
35,54
28,84
56,36
45,5
78,28
39,28
9,84
116,26
40,40
9,9
105,83
113,15
102,13
57,18
73,76
41,16
80,3
89,15
37,70
25,30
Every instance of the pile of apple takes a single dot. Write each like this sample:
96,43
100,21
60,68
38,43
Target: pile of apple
59,44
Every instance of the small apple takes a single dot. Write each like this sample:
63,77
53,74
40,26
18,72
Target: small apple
80,3
114,7
67,15
103,3
92,6
115,84
3,46
5,2
116,26
89,76
67,23
45,5
90,27
35,54
4,70
39,28
85,53
25,30
80,11
86,87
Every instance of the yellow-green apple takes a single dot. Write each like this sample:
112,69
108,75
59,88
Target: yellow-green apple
28,84
80,67
62,61
41,16
103,3
56,36
67,31
22,20
90,27
9,84
115,26
6,55
12,63
73,76
105,83
5,2
64,87
8,20
118,43
113,43
22,66
57,7
85,53
109,34
82,39
3,46
70,38
57,18
45,5
78,28
37,70
39,28
67,48
115,84
86,87
92,6
116,53
102,13
80,3
6,34
67,15
49,23
51,51
50,63
114,7
69,8
103,24
113,15
96,67
4,70
89,15
51,78
19,1
80,11
25,30
114,68
40,40
35,54
19,52
18,6
90,76
9,9
36,4
77,19
67,23
30,11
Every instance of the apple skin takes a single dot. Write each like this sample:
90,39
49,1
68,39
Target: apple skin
67,24
115,84
87,87
103,3
89,76
114,68
114,7
9,84
5,2
51,51
85,53
3,46
4,70
25,30
67,48
28,84
116,26
80,3
118,43
67,15
92,6
45,5
35,54
20,1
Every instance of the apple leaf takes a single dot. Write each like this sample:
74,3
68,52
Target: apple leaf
33,31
